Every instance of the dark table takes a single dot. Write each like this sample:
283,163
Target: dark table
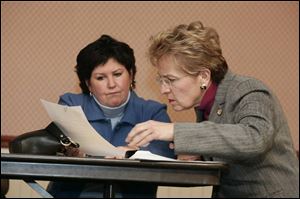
42,167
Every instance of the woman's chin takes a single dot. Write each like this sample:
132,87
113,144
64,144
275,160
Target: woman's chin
177,108
114,104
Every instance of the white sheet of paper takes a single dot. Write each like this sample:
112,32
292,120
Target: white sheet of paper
147,155
74,124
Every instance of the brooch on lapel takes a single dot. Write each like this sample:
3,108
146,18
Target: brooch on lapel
219,111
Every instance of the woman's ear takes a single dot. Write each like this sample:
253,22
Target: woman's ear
205,76
87,82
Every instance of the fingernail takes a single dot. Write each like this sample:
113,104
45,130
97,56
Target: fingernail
145,145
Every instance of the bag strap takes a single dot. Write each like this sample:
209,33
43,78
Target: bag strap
54,130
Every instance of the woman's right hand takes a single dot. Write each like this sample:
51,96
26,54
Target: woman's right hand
143,133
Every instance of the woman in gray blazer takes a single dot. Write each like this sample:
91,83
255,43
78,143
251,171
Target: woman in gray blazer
240,121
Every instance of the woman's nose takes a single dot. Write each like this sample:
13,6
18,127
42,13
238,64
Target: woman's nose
111,82
164,89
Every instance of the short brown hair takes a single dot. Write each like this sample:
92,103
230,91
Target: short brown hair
193,47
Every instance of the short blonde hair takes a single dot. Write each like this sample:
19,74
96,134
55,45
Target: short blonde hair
193,48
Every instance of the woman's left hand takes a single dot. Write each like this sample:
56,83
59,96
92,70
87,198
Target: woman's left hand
123,148
73,152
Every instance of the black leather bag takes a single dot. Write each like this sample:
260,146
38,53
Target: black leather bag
48,141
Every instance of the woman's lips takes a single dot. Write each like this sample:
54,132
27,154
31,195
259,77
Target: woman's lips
171,100
113,93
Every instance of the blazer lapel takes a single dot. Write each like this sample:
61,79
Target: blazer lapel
218,106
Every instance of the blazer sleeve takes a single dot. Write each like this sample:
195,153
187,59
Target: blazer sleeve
246,131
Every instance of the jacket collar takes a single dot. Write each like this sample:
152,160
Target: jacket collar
218,105
223,87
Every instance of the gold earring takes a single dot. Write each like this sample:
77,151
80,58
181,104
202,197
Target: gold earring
203,87
132,85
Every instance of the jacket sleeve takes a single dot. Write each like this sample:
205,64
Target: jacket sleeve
160,114
247,131
71,99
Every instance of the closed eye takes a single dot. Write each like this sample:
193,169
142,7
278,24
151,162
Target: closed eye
117,74
100,78
171,79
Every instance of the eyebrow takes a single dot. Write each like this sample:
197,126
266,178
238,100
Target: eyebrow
117,70
166,76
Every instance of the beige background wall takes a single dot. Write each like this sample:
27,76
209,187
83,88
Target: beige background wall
40,42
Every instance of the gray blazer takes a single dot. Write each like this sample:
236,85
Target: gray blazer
248,130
